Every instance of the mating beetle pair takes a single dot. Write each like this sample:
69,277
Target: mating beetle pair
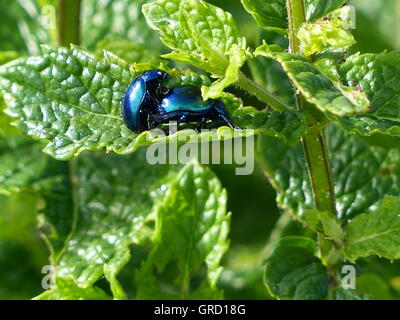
147,104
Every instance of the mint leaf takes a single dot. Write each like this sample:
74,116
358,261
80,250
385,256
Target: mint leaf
202,35
327,34
111,208
378,76
363,174
190,239
293,271
288,125
69,99
317,9
316,87
348,294
377,233
272,77
67,290
324,222
272,14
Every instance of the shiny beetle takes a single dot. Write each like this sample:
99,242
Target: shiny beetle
141,98
185,104
147,104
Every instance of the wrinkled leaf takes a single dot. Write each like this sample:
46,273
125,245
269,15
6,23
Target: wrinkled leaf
202,35
348,294
293,272
272,14
328,34
111,208
378,75
377,233
69,99
325,223
190,239
316,87
67,290
363,174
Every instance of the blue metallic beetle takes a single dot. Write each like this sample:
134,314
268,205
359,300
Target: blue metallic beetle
141,98
147,104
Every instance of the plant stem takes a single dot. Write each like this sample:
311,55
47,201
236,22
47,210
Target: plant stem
69,22
296,16
316,153
318,162
259,92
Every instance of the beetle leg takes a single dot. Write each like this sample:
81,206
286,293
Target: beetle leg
201,124
229,122
182,119
152,122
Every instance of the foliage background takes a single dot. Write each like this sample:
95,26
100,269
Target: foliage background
251,199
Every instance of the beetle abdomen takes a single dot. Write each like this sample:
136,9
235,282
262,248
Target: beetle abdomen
184,99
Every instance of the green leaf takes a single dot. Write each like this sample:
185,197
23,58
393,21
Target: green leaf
190,239
363,174
236,61
288,125
316,87
327,34
186,77
272,14
293,272
377,233
273,78
117,19
111,208
378,76
67,290
69,99
348,294
317,9
324,222
202,35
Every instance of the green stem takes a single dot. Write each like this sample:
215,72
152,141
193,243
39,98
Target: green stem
259,92
69,22
316,153
296,16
